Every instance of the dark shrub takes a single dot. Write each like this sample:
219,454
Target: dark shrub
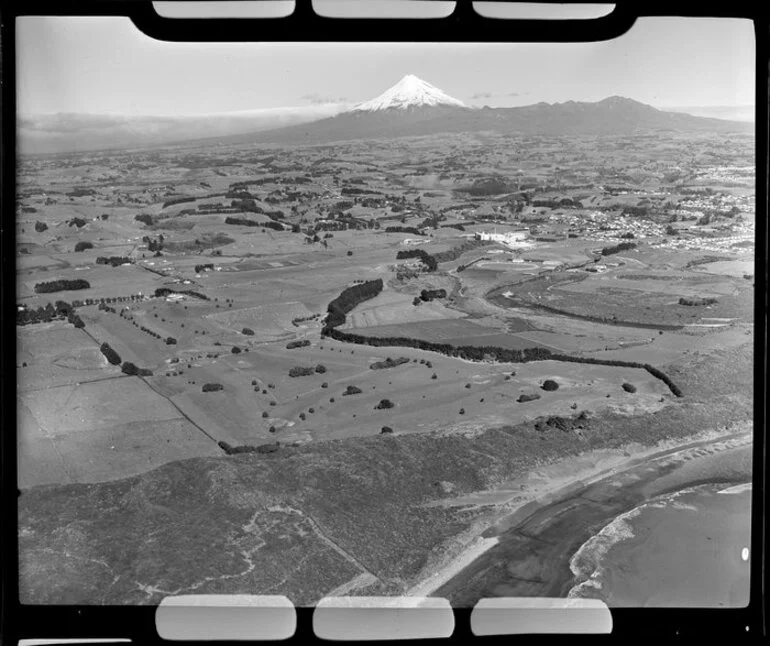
386,429
697,301
299,371
82,246
272,429
208,388
549,384
112,356
384,404
302,416
170,340
462,411
236,350
247,331
434,376
320,369
352,390
129,368
467,385
528,397
297,344
350,253
265,414
253,382
629,388
40,226
325,384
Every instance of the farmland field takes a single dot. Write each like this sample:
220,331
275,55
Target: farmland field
258,444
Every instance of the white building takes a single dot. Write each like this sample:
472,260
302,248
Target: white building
509,237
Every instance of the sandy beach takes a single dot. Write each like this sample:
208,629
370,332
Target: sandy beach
537,523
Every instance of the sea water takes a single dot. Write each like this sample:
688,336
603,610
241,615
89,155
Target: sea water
690,548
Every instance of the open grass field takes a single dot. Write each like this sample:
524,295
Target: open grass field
91,432
105,282
57,354
391,307
269,322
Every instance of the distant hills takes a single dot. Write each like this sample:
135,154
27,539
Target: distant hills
614,115
411,107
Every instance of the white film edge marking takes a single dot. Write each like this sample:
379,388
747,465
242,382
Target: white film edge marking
236,617
383,618
540,615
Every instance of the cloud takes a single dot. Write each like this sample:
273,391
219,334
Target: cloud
40,133
490,95
318,99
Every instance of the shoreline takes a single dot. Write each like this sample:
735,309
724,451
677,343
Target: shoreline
545,491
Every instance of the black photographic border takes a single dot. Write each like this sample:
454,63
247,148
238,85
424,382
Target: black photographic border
464,25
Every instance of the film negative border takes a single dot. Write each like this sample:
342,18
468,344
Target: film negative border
105,624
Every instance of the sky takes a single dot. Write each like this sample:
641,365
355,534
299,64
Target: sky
105,66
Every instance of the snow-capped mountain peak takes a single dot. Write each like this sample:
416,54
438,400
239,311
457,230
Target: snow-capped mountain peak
409,91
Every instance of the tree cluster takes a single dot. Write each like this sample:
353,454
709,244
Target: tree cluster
389,363
431,264
114,261
427,295
349,299
144,218
301,371
61,285
112,356
692,302
623,246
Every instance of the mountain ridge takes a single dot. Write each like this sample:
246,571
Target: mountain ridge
413,107
613,115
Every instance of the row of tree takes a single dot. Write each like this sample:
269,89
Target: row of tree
165,291
338,313
396,229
